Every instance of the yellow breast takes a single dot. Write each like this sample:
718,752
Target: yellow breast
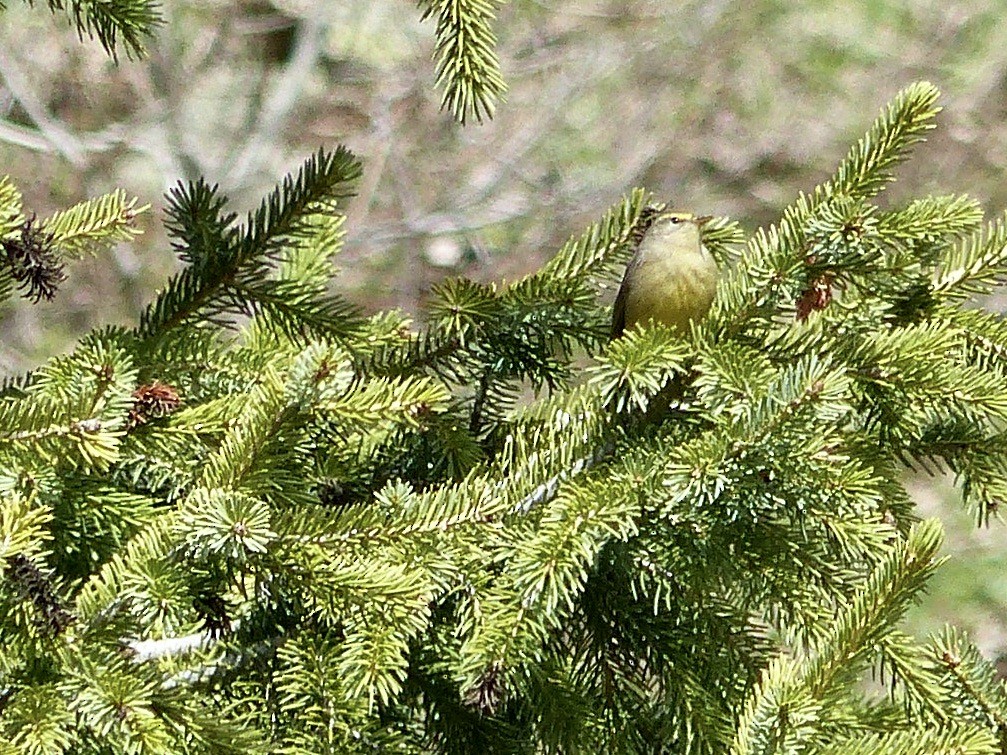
671,288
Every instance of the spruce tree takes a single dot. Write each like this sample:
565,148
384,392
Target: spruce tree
261,520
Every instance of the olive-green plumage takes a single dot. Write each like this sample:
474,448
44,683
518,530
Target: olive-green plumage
670,279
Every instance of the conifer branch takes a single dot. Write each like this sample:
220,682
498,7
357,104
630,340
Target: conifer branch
605,243
288,310
225,260
467,63
931,220
916,741
407,400
115,22
902,123
893,586
975,265
92,226
774,257
552,305
11,217
638,366
287,213
909,671
23,525
30,260
542,581
75,409
792,700
972,682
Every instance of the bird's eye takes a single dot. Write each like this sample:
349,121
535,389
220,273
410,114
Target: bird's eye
675,219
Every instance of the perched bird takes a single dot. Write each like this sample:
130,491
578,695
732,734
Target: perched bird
671,278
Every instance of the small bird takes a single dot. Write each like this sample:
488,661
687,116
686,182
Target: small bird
671,278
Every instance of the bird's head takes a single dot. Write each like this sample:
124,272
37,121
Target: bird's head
673,218
661,221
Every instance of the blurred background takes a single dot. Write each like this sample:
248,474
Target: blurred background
725,107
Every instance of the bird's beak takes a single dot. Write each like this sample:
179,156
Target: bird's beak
703,220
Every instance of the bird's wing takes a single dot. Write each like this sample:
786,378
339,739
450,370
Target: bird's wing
643,224
619,310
